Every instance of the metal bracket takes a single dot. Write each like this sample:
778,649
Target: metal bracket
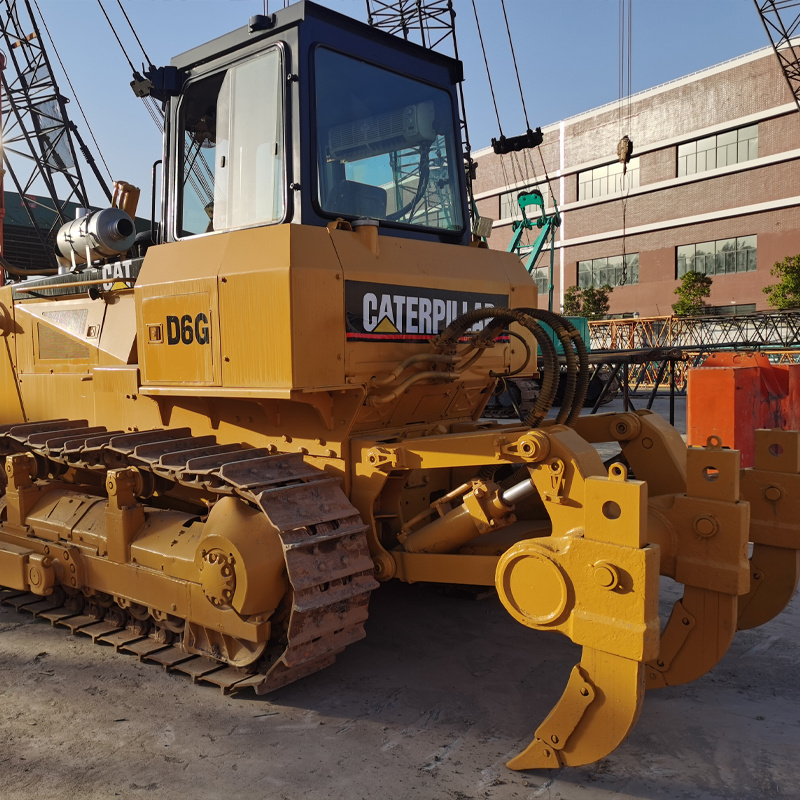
554,494
532,446
386,459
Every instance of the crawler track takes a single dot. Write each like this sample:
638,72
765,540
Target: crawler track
327,559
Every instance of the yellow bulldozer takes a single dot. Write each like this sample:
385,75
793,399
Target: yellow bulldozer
214,451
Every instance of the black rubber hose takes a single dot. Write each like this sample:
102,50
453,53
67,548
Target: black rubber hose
583,375
557,324
500,317
574,351
24,273
577,358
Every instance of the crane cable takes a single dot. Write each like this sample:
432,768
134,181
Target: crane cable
72,89
198,164
514,59
522,99
199,173
625,73
135,35
152,109
494,99
527,159
116,36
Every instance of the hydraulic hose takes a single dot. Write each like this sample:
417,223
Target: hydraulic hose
577,358
583,374
525,363
385,380
499,319
24,273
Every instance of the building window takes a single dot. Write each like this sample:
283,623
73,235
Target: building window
717,258
509,204
721,150
541,277
614,271
732,310
608,179
541,273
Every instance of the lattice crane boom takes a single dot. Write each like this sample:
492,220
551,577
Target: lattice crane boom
432,24
781,19
37,130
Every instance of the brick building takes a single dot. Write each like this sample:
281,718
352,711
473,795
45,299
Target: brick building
712,186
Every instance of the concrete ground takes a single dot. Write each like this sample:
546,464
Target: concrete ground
444,689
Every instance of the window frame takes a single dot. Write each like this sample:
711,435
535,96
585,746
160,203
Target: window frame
694,153
724,261
602,181
596,265
459,184
175,201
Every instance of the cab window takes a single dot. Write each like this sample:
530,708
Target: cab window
232,148
385,145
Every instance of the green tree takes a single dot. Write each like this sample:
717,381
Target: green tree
786,293
596,301
694,288
590,302
572,302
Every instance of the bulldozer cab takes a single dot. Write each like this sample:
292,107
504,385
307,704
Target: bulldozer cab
306,116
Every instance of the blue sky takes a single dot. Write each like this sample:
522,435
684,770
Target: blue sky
567,51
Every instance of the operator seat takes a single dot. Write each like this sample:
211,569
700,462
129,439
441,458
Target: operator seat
357,199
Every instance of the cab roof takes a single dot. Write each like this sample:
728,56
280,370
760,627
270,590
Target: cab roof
263,27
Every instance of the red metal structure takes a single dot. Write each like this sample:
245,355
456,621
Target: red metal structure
732,394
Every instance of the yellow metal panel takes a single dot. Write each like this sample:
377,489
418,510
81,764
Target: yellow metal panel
179,337
281,302
410,263
78,332
118,337
59,395
318,318
256,329
170,272
115,393
187,260
255,308
233,392
14,566
10,398
59,336
445,568
147,549
280,298
23,338
116,380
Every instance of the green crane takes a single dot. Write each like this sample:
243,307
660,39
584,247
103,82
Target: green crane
547,223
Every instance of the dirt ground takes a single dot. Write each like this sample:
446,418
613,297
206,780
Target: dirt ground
444,689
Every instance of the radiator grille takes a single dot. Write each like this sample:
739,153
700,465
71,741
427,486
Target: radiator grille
56,345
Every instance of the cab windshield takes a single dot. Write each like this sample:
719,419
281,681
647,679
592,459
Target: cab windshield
385,145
